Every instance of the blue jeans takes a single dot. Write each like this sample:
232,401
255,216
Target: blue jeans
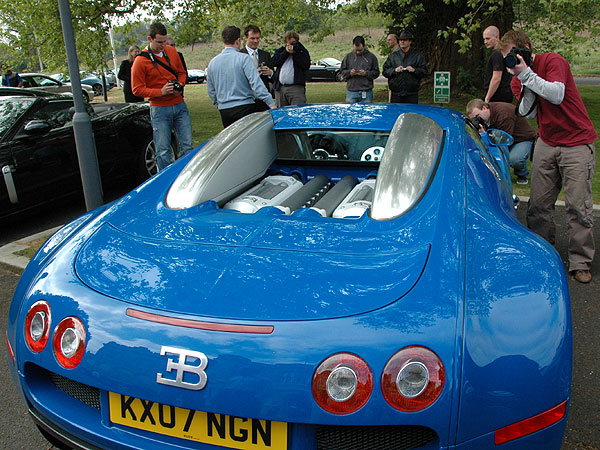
164,119
518,155
357,96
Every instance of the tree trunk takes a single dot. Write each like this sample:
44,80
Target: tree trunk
442,54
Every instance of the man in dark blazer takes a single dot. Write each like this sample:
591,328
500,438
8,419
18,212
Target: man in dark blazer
292,62
261,58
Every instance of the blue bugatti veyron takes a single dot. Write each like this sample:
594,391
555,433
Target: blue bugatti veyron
314,277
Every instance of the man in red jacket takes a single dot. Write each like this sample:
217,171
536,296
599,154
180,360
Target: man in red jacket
564,154
158,74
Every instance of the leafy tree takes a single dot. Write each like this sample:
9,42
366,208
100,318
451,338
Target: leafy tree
32,27
448,32
359,11
559,25
27,31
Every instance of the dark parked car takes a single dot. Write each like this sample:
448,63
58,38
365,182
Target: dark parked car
38,156
326,69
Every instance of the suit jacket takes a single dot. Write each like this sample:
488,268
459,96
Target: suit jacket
263,57
301,59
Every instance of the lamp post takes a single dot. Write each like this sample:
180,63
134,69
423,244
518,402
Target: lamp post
82,125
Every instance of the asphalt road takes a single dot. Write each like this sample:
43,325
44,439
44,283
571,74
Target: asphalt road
17,431
587,81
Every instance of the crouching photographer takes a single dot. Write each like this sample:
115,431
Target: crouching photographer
564,154
502,116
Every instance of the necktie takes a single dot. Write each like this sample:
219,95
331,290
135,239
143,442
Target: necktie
255,59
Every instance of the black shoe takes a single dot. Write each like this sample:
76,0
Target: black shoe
522,180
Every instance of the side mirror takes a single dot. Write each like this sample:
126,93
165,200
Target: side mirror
499,137
37,128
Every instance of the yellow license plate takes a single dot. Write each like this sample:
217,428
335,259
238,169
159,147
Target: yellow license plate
205,427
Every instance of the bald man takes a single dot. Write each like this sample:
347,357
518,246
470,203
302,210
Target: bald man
496,80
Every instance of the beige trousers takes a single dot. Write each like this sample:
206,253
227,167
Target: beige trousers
571,168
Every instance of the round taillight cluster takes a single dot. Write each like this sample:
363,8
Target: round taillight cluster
37,326
412,380
68,340
342,383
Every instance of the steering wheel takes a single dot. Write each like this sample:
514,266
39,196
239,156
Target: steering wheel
321,153
372,154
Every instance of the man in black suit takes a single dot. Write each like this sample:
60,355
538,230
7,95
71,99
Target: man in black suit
261,58
171,42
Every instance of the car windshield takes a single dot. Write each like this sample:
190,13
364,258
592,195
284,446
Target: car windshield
340,145
11,109
45,81
331,62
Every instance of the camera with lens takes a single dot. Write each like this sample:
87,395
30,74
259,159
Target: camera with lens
479,123
511,59
177,86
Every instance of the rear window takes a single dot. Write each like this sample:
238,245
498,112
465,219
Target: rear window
338,145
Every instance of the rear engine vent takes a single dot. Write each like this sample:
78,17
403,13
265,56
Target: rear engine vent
82,392
330,437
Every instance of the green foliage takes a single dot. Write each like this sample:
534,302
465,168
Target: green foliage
442,25
560,25
359,12
448,32
33,30
32,27
466,81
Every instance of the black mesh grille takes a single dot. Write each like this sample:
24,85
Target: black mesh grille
373,438
82,392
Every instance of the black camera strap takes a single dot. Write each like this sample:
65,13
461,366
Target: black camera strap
533,105
156,62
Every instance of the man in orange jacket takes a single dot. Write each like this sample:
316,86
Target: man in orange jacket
158,74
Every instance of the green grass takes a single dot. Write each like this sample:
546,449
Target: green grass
207,121
587,62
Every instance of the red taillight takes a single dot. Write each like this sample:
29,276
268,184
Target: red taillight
68,342
37,326
412,379
342,383
530,425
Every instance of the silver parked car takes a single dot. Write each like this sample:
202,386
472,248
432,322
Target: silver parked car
43,82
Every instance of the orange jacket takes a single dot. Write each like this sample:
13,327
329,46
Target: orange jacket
147,80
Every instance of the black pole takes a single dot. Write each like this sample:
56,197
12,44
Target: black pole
82,126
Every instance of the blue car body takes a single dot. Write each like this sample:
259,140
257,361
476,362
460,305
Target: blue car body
188,304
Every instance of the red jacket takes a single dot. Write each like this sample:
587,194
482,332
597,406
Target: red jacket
567,124
147,80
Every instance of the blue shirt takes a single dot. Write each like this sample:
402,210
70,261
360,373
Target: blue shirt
11,80
232,80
